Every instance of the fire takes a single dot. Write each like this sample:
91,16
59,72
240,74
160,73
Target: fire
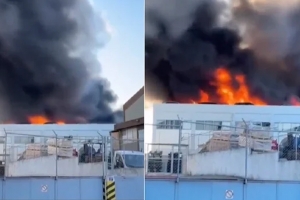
295,101
41,120
226,93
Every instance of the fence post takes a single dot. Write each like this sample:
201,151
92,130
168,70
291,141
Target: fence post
5,155
103,154
111,154
246,152
172,160
56,156
179,149
147,159
296,137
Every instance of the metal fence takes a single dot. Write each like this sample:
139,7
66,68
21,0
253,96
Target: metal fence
244,149
63,153
165,158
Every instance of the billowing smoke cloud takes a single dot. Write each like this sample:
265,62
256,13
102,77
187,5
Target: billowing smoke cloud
186,41
48,62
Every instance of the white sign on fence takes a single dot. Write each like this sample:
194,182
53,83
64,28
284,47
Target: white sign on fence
44,188
229,194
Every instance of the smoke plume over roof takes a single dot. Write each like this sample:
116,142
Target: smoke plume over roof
187,41
48,62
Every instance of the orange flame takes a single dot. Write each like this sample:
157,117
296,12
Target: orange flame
41,120
295,101
227,94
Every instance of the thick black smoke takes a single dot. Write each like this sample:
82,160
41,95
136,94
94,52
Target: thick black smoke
186,41
48,62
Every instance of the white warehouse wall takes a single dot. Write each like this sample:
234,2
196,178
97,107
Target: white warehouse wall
198,112
60,130
148,128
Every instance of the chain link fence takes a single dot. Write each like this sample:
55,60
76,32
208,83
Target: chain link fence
241,148
165,158
66,153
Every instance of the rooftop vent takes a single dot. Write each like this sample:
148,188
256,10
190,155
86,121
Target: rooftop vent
171,102
244,103
207,103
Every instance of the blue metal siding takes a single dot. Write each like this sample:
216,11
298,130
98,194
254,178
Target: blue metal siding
160,190
17,189
35,189
60,189
68,189
130,188
91,189
127,188
261,191
215,190
288,191
219,190
200,190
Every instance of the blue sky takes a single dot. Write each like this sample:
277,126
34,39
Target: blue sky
122,58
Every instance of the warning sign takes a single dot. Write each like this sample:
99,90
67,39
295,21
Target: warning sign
44,188
229,194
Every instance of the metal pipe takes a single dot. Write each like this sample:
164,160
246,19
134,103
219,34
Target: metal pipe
56,156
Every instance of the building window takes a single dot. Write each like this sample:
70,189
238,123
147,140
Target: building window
168,124
287,126
212,125
23,140
141,139
242,124
129,135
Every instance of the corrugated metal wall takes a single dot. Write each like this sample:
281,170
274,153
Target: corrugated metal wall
49,188
127,188
216,190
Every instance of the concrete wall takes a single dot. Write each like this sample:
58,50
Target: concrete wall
264,166
140,172
136,110
215,190
46,166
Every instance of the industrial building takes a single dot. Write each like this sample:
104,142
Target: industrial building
129,134
162,125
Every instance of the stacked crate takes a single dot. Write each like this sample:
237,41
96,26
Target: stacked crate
63,147
222,140
34,151
259,138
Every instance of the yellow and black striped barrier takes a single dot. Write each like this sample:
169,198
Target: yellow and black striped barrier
103,187
110,189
